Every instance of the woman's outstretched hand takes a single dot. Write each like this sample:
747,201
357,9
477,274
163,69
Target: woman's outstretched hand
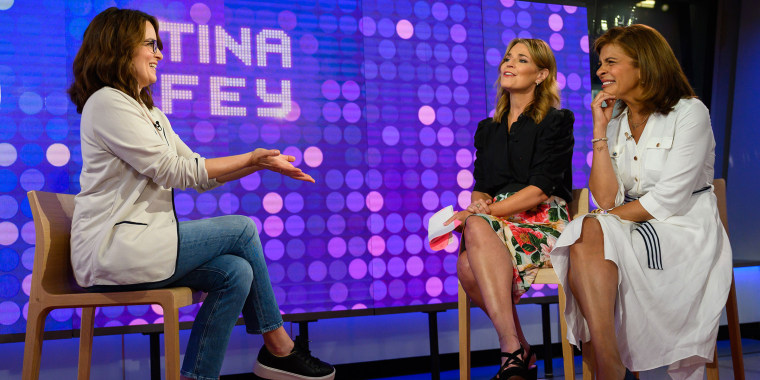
281,163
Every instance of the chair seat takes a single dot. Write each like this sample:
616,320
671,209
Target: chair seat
181,296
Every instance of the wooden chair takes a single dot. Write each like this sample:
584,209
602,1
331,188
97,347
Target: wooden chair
579,206
732,310
53,287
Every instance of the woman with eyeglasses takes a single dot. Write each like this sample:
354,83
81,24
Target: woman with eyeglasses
648,274
125,232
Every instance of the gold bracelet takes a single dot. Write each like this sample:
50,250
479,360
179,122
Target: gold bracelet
599,139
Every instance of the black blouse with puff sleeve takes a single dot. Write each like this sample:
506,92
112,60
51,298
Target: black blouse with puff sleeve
529,154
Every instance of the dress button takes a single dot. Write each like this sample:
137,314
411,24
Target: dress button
635,158
636,179
658,145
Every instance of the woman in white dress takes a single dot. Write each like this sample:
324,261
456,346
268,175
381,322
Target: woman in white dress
649,272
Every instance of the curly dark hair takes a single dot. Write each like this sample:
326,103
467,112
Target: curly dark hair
105,57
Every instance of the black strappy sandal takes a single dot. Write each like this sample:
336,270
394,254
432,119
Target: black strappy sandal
520,371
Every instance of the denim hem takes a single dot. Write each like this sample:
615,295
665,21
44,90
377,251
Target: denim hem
265,329
196,377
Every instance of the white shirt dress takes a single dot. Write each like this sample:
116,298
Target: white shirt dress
674,270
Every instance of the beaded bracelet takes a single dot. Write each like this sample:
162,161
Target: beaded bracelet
599,139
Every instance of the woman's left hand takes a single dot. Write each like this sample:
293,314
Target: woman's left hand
480,206
282,164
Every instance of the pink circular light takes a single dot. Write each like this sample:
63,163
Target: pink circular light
555,22
8,233
405,29
464,199
295,111
426,115
357,269
58,154
454,246
434,286
584,44
376,245
415,266
464,179
26,284
273,226
272,203
312,156
561,80
374,201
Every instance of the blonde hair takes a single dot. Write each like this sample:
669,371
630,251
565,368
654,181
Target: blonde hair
662,82
546,94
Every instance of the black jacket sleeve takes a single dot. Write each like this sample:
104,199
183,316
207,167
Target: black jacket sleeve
553,153
479,172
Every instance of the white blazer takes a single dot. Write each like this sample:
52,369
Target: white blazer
124,228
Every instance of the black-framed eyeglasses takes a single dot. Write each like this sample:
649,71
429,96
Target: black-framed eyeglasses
154,45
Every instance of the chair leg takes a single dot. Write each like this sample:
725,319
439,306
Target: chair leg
171,340
567,349
463,306
587,350
734,334
712,368
35,327
86,332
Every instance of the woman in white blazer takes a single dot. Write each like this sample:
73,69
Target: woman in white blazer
125,232
649,273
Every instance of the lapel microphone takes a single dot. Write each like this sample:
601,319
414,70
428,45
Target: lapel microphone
158,126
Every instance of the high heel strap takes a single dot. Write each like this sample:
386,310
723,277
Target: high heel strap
513,358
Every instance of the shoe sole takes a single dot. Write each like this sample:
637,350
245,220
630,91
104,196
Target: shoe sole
270,373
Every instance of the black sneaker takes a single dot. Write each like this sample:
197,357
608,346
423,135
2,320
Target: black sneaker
298,365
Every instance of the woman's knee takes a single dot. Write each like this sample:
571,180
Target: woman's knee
239,274
241,226
591,241
475,228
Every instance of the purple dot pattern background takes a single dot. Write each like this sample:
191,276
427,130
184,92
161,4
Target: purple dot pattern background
386,97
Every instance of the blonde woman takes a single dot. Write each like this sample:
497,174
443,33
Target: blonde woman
522,183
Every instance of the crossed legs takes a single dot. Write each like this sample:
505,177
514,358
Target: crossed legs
485,272
593,281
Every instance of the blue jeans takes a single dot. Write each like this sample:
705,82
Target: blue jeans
223,257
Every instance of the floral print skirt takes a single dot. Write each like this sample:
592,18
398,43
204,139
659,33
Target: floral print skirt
529,237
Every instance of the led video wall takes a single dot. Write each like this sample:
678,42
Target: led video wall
377,100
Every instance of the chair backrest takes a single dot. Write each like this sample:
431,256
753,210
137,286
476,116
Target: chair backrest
52,271
719,185
579,205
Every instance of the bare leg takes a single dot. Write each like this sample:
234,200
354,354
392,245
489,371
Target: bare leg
485,271
523,342
593,281
278,342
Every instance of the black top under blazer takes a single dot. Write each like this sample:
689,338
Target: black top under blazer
529,154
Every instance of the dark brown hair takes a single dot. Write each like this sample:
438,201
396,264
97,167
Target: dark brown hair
105,57
663,82
546,93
